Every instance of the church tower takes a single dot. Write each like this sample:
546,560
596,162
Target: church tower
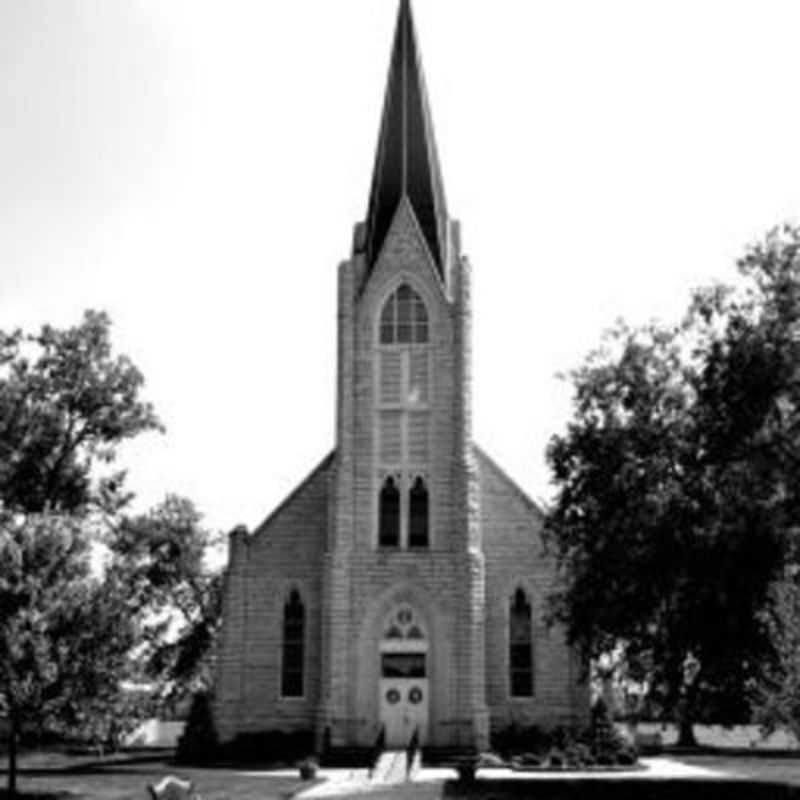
405,535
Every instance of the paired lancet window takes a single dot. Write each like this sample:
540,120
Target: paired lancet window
294,618
403,421
520,646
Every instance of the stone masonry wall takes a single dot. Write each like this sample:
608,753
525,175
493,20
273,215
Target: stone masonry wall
515,557
284,553
446,580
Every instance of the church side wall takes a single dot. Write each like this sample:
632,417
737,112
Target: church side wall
515,558
285,553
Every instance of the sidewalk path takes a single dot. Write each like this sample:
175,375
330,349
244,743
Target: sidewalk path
342,782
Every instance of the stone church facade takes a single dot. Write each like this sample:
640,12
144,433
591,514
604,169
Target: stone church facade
402,584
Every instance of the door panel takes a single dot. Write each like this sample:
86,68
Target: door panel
404,709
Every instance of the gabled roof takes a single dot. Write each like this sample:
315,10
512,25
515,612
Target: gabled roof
406,163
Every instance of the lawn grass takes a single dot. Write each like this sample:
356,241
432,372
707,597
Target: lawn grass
55,776
617,789
782,769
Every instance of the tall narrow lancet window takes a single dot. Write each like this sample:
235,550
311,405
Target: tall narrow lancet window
402,416
418,514
389,514
293,646
520,646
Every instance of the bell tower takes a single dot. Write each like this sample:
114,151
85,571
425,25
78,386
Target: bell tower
405,517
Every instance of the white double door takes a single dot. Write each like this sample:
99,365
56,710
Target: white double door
404,709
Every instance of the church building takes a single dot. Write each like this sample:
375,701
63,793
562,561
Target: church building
402,585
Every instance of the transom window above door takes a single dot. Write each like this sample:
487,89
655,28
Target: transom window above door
404,631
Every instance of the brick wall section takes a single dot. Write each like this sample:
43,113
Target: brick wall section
515,557
285,552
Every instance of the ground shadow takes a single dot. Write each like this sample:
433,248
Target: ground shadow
621,789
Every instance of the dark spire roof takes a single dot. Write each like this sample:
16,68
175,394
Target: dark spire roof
406,163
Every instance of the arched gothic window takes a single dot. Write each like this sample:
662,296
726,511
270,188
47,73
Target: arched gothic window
293,646
404,319
520,646
418,514
389,514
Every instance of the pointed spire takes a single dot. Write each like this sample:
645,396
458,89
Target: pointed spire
406,164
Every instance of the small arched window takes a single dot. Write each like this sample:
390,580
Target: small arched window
404,319
389,514
418,514
520,646
293,646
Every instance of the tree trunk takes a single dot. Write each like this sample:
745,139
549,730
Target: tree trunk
686,732
12,756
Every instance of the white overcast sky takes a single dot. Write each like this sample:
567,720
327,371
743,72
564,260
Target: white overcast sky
195,168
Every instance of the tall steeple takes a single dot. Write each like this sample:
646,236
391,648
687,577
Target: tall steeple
406,164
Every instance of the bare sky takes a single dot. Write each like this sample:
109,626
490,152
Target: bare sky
195,168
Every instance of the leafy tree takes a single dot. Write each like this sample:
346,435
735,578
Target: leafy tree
775,692
64,635
676,487
161,556
66,403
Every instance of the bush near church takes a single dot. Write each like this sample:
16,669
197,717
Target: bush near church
600,744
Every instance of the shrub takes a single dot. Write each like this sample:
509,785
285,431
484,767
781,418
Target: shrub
308,769
466,770
199,741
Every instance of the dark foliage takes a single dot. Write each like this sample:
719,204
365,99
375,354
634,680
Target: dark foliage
160,556
199,742
677,489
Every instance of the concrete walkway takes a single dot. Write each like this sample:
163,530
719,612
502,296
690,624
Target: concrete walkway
343,782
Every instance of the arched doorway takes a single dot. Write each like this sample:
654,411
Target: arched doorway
404,681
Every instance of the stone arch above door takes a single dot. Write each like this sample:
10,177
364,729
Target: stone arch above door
374,640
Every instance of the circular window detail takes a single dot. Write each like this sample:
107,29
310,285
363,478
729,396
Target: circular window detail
392,697
404,616
415,696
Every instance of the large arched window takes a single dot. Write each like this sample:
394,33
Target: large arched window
404,319
293,646
520,646
402,400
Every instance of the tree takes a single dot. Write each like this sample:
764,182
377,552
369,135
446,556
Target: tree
676,487
66,403
64,635
161,556
775,692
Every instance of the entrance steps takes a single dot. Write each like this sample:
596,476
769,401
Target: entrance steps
392,767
